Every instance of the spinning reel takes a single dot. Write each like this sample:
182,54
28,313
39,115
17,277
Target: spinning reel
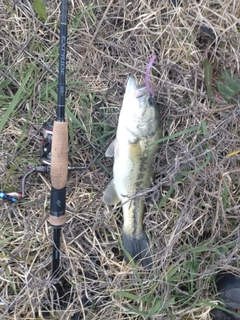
47,131
45,158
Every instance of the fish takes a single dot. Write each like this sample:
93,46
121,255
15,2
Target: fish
134,150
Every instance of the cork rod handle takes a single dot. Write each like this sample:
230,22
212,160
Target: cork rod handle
59,160
59,172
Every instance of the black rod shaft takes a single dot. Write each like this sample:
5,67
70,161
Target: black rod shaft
55,267
56,251
62,61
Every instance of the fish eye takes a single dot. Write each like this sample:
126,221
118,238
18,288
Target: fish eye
151,101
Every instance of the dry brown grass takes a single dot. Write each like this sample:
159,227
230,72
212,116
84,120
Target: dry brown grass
195,232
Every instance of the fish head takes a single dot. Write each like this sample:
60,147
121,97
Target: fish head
139,114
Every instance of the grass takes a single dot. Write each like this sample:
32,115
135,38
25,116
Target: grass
192,227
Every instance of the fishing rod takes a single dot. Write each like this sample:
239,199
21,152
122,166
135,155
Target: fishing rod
54,158
59,157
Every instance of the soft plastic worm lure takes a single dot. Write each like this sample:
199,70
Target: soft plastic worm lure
148,74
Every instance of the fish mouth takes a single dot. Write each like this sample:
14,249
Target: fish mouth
141,91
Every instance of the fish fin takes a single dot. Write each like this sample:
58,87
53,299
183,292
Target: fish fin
110,196
111,149
138,248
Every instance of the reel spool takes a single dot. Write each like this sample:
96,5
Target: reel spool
47,131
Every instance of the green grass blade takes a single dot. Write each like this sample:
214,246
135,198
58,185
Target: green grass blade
157,307
202,127
228,86
71,116
127,295
202,166
16,99
166,197
40,8
208,70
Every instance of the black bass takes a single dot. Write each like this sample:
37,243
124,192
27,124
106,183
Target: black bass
134,151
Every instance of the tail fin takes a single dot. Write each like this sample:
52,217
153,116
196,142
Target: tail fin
137,247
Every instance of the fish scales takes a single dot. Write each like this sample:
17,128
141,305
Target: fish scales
134,151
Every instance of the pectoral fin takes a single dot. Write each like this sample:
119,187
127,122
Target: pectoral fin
110,196
111,149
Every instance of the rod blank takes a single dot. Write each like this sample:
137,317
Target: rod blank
62,62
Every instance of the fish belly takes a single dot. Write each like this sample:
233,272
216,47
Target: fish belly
133,171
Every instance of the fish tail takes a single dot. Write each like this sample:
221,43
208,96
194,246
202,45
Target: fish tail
138,248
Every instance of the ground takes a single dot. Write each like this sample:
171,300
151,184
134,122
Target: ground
192,226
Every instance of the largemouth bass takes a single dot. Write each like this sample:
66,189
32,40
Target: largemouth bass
134,152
